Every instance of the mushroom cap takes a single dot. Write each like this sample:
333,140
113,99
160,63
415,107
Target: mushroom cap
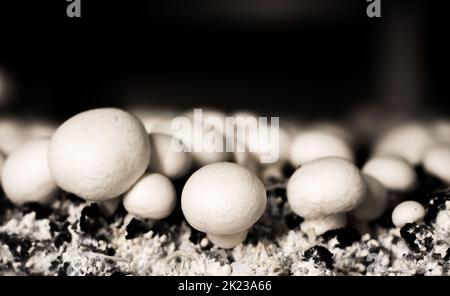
436,161
395,173
26,176
374,203
223,198
99,154
407,212
166,159
324,187
315,144
409,141
152,197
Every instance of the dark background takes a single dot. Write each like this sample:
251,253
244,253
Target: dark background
309,58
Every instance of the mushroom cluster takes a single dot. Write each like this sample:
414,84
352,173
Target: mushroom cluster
110,156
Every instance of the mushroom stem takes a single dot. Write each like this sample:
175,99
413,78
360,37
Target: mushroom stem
316,227
227,241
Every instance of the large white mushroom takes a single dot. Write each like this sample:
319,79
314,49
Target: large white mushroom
99,154
324,189
223,200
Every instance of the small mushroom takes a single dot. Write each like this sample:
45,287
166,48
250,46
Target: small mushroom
325,187
172,162
407,212
223,200
25,175
436,161
395,173
315,143
374,203
408,140
99,154
152,197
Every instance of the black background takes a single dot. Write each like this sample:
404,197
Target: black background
169,285
182,54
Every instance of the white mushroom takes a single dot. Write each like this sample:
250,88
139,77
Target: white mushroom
436,161
443,221
99,154
314,144
407,212
223,200
152,197
374,203
395,173
408,141
324,187
25,175
173,162
12,135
